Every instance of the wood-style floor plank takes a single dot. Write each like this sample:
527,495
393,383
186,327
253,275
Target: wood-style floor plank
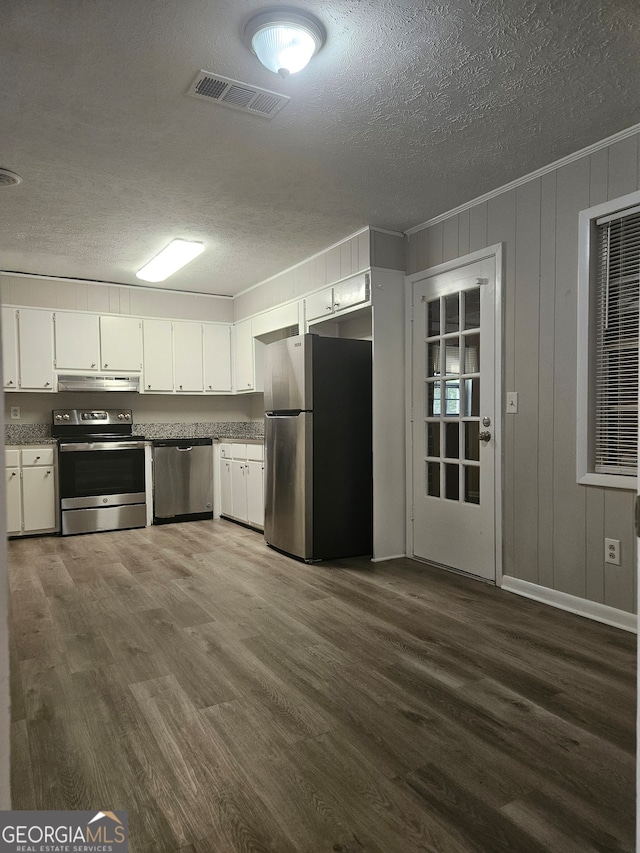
234,700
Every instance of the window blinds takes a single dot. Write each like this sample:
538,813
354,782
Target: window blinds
618,291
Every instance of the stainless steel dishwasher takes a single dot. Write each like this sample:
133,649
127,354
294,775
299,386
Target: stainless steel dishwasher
182,479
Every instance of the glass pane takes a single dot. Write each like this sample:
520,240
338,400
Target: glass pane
433,399
433,359
471,440
472,398
472,309
452,441
452,405
433,318
452,312
472,484
452,483
433,439
452,357
472,354
433,479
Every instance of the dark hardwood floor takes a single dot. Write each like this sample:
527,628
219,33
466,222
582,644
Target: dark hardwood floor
234,700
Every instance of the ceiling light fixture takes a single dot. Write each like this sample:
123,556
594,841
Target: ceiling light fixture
171,258
9,179
284,40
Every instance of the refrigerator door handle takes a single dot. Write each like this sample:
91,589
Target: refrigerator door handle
292,414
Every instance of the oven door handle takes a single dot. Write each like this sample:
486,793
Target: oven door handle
103,445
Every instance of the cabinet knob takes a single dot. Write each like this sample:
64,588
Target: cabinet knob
93,364
181,387
10,382
211,387
336,305
48,472
45,384
105,364
148,386
13,473
37,457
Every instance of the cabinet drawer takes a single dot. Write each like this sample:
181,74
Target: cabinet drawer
11,458
255,452
239,451
225,451
318,304
38,456
352,292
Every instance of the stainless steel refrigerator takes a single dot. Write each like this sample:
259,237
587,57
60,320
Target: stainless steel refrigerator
318,447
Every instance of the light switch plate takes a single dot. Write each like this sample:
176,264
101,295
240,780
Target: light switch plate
512,402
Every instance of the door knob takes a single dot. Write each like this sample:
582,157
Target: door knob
485,435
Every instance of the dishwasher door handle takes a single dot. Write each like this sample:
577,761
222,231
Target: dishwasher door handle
184,449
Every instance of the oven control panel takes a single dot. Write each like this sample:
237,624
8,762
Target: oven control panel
91,417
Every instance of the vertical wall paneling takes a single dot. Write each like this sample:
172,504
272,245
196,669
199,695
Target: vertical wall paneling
333,264
501,227
450,241
595,543
623,166
599,177
139,302
524,428
41,293
619,581
464,223
434,245
114,300
125,301
98,300
412,253
478,227
65,294
320,264
546,336
570,503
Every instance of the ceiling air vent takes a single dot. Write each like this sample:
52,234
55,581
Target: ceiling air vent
239,96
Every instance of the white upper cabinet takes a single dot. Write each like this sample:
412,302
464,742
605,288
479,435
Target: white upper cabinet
158,355
77,341
243,357
347,294
10,349
187,344
216,344
121,343
35,349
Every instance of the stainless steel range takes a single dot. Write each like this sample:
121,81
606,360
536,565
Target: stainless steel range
101,470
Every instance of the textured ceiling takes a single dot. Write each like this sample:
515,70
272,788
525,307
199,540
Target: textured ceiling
409,110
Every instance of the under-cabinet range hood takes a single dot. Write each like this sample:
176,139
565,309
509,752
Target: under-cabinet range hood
98,383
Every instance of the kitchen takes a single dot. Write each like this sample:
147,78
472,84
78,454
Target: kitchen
552,528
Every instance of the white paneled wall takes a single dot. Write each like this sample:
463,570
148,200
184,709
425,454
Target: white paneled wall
554,529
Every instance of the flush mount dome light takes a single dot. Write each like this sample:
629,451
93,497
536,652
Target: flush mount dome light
284,40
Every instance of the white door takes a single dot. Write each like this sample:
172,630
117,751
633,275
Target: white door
255,492
238,490
14,500
9,349
187,343
226,507
158,355
39,498
121,343
455,401
217,357
77,341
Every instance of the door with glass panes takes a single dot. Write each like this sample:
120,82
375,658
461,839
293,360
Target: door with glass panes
454,418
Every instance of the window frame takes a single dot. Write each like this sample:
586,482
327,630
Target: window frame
586,365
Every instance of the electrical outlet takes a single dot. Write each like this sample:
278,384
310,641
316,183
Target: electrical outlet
612,551
15,413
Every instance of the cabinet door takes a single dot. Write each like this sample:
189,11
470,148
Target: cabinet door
226,507
158,355
244,379
77,341
238,490
255,492
121,343
39,498
354,291
14,501
187,344
319,304
216,345
9,349
35,349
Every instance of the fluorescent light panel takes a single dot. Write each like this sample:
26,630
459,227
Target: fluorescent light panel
171,258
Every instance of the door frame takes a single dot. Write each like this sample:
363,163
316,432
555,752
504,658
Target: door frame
496,252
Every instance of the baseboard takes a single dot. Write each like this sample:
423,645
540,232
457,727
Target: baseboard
390,557
572,603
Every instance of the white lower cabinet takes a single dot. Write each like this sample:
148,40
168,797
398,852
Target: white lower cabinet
31,490
242,483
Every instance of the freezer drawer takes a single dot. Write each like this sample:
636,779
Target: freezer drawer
182,481
289,484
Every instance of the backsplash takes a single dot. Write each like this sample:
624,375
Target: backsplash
41,433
